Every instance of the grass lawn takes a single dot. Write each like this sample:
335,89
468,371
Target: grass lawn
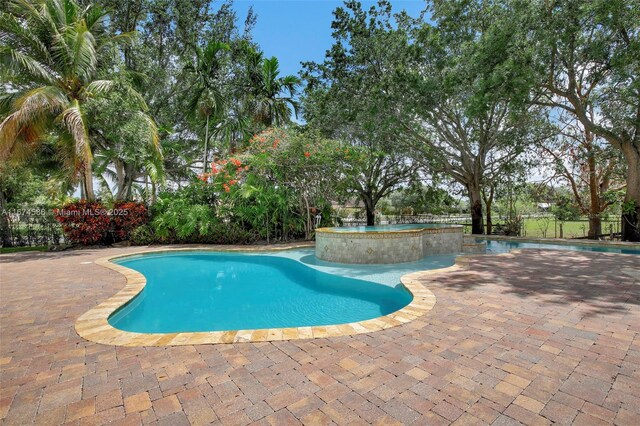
536,227
4,250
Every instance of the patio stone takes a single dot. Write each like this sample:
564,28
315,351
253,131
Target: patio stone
534,337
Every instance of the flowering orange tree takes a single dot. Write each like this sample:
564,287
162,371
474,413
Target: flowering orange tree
277,184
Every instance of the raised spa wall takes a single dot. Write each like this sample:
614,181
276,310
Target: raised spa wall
387,246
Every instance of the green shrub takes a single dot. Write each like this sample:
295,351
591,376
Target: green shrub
142,236
181,222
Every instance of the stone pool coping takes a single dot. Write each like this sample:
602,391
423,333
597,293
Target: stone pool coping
94,325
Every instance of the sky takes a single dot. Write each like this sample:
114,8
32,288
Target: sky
300,30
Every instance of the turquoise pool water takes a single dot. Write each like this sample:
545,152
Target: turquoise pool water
499,246
401,227
213,291
209,291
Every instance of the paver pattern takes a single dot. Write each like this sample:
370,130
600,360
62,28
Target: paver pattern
536,337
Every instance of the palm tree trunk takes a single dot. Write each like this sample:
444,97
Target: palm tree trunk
87,177
206,142
120,180
5,230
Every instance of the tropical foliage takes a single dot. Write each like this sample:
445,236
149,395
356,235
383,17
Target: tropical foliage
174,105
55,54
271,191
90,223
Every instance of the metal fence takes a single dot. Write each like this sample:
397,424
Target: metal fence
30,226
533,225
554,228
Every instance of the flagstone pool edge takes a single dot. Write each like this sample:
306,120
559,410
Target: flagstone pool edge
94,325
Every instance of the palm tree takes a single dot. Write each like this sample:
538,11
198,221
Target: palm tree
54,51
272,95
207,99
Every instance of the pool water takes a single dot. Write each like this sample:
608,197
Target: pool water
494,246
214,291
209,291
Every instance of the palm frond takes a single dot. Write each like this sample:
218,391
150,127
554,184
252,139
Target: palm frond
155,169
74,122
46,98
99,87
134,95
152,134
17,140
94,17
21,62
84,52
23,129
104,189
14,33
65,154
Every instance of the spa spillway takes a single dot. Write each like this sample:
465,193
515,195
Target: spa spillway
387,244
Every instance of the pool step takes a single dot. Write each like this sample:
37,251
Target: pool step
471,246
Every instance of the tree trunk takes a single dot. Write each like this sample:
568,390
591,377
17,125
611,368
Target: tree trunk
488,202
5,231
120,180
206,145
371,216
370,208
595,202
153,192
87,180
475,198
631,217
595,227
307,225
595,207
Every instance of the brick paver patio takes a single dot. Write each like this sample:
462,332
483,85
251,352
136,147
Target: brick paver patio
537,337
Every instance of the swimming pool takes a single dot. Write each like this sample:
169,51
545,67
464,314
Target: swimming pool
502,246
195,296
216,291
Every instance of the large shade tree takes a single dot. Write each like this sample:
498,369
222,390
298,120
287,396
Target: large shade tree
56,56
591,168
590,52
458,128
347,98
581,57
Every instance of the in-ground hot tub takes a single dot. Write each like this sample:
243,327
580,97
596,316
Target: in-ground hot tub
387,244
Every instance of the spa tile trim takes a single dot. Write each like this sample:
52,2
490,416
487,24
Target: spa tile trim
375,235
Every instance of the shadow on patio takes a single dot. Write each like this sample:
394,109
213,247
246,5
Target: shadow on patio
553,277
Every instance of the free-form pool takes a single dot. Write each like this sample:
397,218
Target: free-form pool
181,299
213,291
